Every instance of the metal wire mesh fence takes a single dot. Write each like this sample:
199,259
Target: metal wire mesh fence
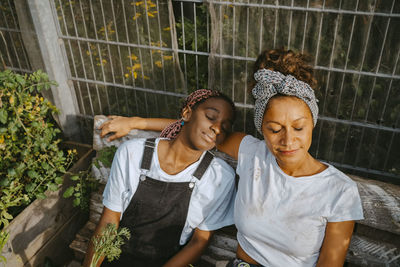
141,57
13,55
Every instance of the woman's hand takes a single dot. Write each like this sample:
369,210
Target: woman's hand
192,251
119,126
108,216
336,241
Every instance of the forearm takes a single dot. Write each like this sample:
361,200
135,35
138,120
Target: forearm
107,217
150,124
191,252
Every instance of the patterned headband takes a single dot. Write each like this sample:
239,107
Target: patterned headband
172,130
270,83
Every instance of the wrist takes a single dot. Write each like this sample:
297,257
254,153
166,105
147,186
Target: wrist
136,123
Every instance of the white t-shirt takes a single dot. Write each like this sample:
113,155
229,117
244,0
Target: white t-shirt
212,200
281,219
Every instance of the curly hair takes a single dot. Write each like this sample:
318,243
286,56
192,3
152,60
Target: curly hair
286,62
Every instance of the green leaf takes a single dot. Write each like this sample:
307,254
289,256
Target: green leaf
76,202
40,196
32,174
74,178
30,187
4,182
3,116
52,187
59,180
68,193
6,215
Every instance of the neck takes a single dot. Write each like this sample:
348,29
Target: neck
306,167
175,155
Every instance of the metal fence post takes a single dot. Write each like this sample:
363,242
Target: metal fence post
53,53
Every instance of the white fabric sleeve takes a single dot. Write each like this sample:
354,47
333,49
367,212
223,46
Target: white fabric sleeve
220,208
348,206
112,195
247,150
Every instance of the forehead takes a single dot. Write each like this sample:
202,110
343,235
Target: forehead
218,104
286,108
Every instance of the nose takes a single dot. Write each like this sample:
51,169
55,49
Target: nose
287,137
216,127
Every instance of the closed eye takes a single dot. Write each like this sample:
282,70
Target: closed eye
275,131
298,129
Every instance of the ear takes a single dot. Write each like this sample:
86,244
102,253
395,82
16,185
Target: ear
186,114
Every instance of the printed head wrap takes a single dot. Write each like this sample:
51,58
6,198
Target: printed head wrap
172,130
270,83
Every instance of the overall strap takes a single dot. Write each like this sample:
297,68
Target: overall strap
148,153
205,162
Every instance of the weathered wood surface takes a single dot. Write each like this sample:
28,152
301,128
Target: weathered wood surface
33,231
381,205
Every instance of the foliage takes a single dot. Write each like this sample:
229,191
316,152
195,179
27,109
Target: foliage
108,243
105,156
85,184
3,240
31,160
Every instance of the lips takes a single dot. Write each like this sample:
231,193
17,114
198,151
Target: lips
288,152
209,138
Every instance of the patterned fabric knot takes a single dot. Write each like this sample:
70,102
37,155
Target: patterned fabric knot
270,83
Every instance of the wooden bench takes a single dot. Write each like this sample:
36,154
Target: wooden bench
375,242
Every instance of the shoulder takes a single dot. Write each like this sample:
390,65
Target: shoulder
250,144
133,145
222,166
219,173
339,181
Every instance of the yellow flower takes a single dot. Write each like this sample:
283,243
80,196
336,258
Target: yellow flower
151,14
226,16
137,3
133,57
74,150
19,110
11,100
104,61
167,57
167,28
136,15
136,66
135,75
158,63
41,99
38,109
126,75
146,77
1,139
69,151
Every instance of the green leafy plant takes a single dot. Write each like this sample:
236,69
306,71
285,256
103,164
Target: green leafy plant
84,185
108,243
105,156
3,240
31,160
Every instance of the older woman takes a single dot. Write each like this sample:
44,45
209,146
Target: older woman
291,209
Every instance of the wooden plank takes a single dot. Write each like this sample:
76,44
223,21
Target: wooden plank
367,252
57,248
381,204
41,220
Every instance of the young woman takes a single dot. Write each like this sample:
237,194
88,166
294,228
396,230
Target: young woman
290,208
171,192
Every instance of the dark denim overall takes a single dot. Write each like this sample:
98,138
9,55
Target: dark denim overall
156,216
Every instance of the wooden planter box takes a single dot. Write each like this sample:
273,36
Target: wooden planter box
46,227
